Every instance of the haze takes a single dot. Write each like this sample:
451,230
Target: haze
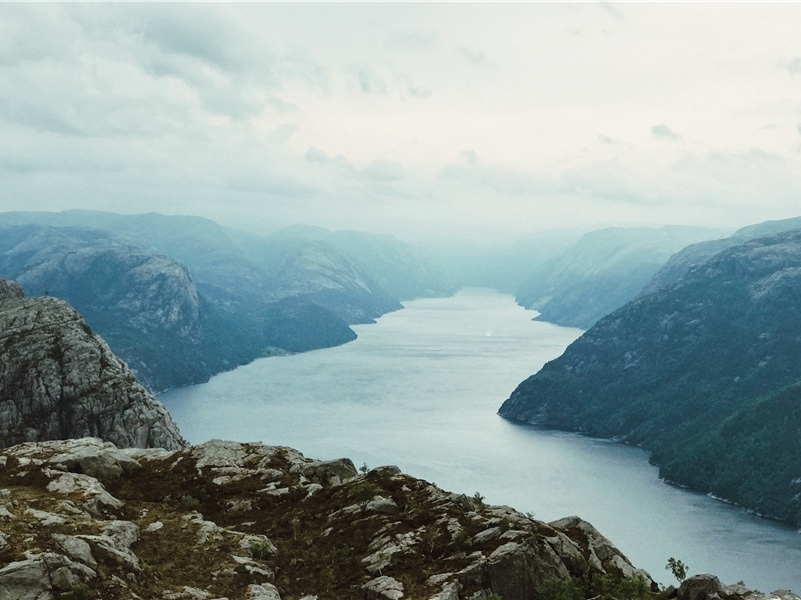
481,120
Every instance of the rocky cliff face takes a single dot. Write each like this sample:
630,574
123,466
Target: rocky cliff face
59,380
705,373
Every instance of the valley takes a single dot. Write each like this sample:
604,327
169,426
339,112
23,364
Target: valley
420,389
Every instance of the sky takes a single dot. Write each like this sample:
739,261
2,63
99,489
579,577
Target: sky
486,120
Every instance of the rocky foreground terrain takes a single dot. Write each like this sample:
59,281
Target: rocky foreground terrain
82,519
60,380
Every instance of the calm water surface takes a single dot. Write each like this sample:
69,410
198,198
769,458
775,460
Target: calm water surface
420,389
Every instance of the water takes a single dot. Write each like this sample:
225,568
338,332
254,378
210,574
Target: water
420,389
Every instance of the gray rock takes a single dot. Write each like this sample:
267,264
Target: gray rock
702,587
381,505
98,500
450,591
382,588
59,380
10,290
330,472
600,552
265,591
95,458
32,578
76,548
488,535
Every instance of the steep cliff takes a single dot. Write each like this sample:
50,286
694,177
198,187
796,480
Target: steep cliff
705,373
59,380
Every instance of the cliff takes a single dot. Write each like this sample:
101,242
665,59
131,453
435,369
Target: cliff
59,380
704,372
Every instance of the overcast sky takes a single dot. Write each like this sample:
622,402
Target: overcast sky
483,119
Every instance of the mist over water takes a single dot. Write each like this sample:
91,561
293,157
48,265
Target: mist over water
420,389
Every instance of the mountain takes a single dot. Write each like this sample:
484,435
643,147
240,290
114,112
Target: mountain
603,270
695,255
59,380
390,270
503,266
151,311
704,372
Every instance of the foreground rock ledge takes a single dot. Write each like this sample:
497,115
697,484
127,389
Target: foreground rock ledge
84,519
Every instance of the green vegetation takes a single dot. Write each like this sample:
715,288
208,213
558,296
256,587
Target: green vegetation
598,586
79,591
678,568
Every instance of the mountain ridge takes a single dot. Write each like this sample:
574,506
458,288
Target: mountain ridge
681,372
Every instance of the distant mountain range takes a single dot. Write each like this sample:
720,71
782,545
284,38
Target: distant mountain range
703,370
180,299
601,271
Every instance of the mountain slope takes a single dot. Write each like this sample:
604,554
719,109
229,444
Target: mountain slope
695,255
150,310
603,270
695,372
59,380
392,267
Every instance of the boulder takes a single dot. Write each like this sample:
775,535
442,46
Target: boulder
702,587
382,588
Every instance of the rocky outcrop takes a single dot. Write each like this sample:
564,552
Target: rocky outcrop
709,587
705,373
59,380
236,521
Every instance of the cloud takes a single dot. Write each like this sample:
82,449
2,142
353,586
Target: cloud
384,170
282,133
370,82
469,157
663,132
325,111
416,40
611,10
472,56
412,90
